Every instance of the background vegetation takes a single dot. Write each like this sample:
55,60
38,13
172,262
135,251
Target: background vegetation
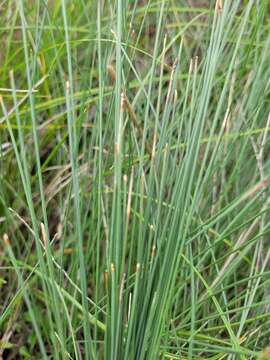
134,179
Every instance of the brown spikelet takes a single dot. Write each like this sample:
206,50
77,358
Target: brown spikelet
43,233
6,239
125,103
106,280
111,72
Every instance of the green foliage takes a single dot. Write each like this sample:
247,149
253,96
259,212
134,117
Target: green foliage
134,179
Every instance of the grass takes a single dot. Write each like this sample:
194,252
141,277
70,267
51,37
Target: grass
134,192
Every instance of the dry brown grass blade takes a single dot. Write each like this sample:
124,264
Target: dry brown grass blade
259,186
246,234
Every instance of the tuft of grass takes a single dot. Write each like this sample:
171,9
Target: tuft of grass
134,180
